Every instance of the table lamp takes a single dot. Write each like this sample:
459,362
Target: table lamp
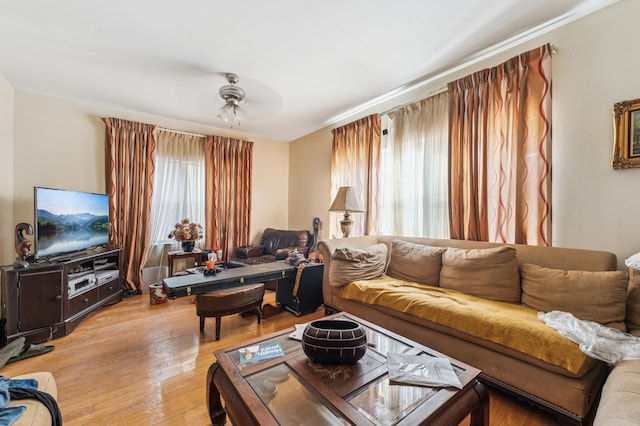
346,201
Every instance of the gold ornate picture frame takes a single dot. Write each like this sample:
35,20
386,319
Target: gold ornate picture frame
626,123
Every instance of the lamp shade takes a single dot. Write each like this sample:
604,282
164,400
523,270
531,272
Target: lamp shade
346,201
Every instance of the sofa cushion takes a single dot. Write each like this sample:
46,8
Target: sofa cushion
348,264
632,318
490,273
415,262
591,296
507,324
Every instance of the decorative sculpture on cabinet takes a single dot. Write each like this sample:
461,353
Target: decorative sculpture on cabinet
23,245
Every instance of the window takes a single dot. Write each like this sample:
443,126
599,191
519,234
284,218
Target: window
178,183
413,170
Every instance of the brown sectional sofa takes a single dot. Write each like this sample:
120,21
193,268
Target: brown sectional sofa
410,305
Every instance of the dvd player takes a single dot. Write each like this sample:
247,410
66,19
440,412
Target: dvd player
81,283
106,276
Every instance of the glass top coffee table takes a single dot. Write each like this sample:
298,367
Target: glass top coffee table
290,390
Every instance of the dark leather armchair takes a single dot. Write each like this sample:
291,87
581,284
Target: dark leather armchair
275,244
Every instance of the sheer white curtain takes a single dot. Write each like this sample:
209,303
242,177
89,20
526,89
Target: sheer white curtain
414,170
178,182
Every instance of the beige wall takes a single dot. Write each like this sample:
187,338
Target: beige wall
270,190
596,65
7,224
310,183
61,144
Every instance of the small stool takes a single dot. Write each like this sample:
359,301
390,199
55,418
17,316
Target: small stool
229,301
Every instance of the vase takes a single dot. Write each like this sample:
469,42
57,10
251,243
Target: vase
334,342
187,246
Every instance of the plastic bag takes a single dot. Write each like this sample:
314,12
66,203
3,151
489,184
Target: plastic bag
597,341
421,370
633,261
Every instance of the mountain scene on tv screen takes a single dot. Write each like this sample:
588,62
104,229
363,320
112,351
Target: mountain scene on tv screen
70,232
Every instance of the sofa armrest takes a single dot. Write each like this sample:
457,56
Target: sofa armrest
620,395
245,252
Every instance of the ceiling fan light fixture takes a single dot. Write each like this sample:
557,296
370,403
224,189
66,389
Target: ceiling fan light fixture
231,112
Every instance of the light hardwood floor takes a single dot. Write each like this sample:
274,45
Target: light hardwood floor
139,364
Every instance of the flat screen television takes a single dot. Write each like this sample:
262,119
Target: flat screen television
69,221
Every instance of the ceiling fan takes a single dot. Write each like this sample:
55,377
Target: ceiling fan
231,112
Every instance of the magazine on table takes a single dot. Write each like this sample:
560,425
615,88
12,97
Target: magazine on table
421,370
260,352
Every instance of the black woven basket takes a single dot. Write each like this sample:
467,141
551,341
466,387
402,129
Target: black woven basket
334,341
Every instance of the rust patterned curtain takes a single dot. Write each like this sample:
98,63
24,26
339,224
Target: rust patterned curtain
229,164
355,159
129,169
499,152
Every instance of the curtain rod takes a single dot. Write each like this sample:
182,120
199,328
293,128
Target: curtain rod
182,133
430,94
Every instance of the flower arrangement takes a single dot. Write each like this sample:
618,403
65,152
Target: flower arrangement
185,230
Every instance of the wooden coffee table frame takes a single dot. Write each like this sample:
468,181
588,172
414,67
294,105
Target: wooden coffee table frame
244,407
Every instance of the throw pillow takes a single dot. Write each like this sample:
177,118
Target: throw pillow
632,318
415,262
490,273
351,264
592,296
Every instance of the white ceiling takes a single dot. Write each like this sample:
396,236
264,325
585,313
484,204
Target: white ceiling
301,63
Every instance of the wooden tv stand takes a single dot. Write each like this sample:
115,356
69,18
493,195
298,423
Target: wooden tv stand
47,300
